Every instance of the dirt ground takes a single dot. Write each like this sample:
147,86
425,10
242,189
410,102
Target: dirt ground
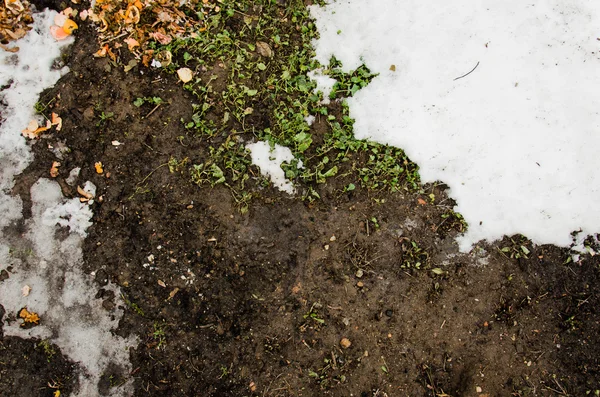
293,298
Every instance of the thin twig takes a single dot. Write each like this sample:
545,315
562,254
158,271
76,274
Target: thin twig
465,75
152,111
113,38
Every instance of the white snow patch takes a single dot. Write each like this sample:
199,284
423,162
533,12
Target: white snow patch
516,140
324,83
269,161
310,119
61,293
73,175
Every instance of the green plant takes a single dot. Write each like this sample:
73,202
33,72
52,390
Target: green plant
48,349
517,249
251,82
313,314
104,118
132,305
155,101
176,165
159,335
413,256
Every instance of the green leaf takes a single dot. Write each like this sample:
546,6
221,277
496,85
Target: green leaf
437,271
261,66
139,102
251,92
331,172
303,140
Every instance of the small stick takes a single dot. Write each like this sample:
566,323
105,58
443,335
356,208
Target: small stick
113,38
152,111
465,75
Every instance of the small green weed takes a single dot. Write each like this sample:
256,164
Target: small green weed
155,101
159,335
104,118
413,256
313,316
517,249
133,306
48,349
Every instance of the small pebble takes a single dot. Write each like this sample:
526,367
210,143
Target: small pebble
359,273
360,284
345,343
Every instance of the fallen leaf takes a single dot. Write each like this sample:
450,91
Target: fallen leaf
60,19
57,121
33,130
33,125
162,284
131,43
421,201
14,5
132,15
185,74
28,317
161,38
101,53
173,293
86,195
58,33
69,26
54,169
9,49
393,68
264,49
98,166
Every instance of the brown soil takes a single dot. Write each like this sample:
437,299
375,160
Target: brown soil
258,304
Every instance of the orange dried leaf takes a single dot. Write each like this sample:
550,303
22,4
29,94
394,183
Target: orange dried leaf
58,33
98,166
69,26
54,169
132,15
29,317
421,201
101,53
57,121
131,43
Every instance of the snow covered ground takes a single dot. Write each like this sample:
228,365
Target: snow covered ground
516,140
60,293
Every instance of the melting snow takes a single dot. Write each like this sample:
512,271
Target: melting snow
516,140
269,161
63,296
